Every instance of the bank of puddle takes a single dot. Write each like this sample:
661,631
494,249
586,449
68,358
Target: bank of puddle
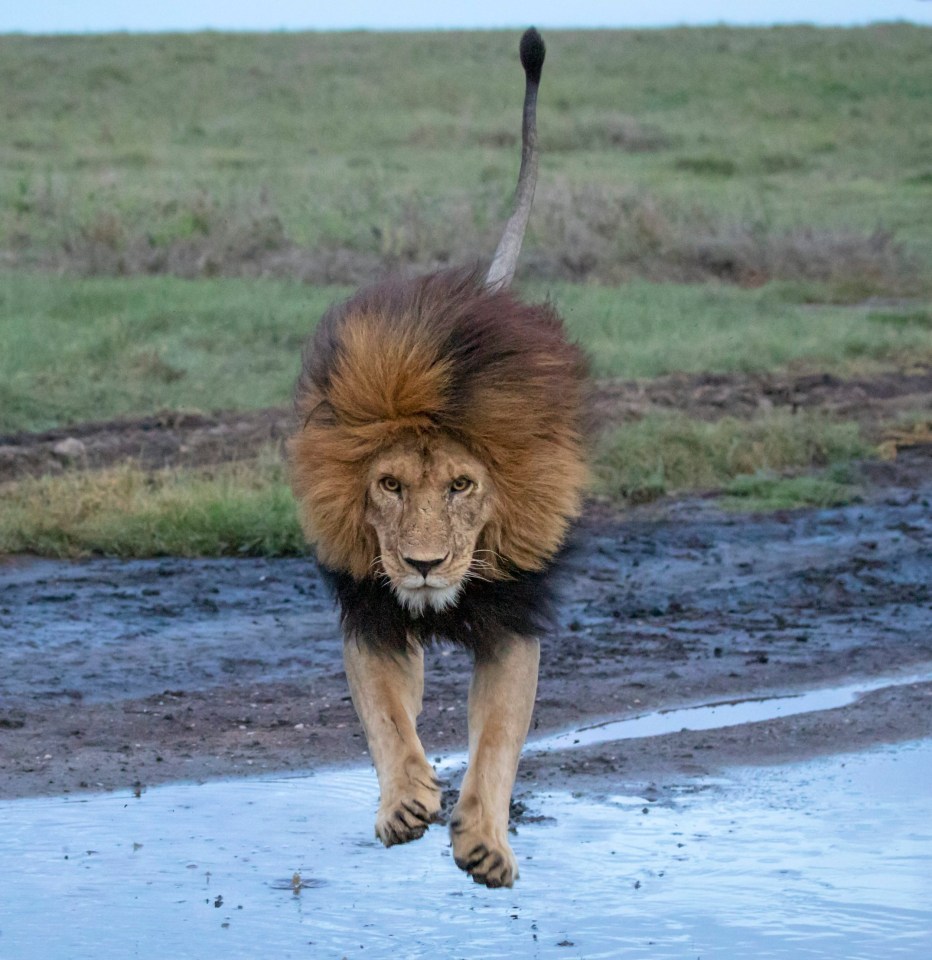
716,716
824,859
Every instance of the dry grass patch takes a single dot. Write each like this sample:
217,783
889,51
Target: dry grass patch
579,232
247,508
611,235
234,509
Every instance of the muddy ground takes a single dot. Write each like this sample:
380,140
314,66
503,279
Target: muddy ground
118,675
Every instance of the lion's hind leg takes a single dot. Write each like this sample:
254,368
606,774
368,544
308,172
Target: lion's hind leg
501,700
387,688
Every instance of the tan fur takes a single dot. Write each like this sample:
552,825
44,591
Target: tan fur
440,442
425,520
501,701
387,692
390,425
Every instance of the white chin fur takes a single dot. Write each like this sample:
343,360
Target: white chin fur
416,599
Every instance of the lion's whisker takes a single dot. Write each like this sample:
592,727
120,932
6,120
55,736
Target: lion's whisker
495,554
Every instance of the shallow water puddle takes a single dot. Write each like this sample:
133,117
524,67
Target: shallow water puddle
715,716
830,859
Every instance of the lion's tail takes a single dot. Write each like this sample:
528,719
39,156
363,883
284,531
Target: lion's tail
505,260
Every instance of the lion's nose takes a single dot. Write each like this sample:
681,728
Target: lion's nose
423,567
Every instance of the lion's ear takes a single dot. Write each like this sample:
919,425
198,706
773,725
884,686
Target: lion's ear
321,414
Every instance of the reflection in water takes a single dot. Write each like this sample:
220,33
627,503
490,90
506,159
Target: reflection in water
718,715
830,859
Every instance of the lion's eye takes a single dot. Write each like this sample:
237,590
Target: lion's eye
461,485
390,484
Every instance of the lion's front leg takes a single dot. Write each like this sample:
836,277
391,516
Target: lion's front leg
387,688
501,700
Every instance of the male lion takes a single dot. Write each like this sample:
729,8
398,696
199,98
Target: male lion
437,467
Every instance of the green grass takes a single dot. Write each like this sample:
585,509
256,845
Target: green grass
766,491
237,509
710,200
672,453
80,349
73,350
119,140
643,329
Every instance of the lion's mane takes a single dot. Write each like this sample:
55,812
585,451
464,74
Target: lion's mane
442,354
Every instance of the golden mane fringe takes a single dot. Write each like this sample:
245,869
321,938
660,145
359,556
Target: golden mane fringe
441,354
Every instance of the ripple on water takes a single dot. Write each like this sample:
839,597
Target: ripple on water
827,859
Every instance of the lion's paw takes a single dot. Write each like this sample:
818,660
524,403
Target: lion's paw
487,858
406,812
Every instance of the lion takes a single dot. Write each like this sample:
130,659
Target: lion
438,465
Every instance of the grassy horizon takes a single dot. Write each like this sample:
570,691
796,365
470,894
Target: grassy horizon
710,198
177,211
719,147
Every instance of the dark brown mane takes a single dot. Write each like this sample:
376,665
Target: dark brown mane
441,353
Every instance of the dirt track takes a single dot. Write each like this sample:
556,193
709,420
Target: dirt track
123,673
174,438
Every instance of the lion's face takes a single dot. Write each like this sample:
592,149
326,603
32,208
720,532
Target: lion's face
428,502
410,386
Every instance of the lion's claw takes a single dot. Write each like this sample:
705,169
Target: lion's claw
407,817
486,861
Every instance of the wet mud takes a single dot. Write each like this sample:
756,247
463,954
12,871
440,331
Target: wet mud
120,675
730,757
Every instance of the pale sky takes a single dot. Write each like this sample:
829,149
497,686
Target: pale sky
78,16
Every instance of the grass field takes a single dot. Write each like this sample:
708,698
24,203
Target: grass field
694,152
177,211
91,349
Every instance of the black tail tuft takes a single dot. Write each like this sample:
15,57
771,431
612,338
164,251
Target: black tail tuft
533,52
